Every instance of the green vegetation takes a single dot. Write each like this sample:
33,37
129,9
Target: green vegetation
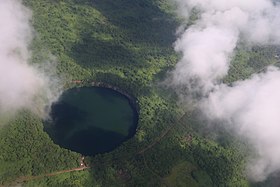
128,44
26,150
185,173
77,179
248,61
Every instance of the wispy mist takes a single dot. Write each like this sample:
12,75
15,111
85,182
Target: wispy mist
251,106
21,84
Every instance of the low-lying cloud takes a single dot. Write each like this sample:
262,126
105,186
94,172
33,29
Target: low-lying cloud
251,106
21,84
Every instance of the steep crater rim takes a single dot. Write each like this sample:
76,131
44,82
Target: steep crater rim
92,120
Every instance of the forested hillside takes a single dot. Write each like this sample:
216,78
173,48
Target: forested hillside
128,44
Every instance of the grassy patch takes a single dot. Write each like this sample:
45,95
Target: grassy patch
186,174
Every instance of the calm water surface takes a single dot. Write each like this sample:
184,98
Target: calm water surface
92,120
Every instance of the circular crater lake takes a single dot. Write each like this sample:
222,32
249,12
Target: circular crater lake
92,120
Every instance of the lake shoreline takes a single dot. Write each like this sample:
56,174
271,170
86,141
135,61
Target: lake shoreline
132,100
81,110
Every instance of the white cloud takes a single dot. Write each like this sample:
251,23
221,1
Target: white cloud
251,106
20,82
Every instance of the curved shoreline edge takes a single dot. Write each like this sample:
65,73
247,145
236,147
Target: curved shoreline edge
132,100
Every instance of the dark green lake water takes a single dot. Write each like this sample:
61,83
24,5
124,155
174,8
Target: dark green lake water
92,120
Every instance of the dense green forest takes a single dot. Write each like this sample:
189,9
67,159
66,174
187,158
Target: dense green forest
128,44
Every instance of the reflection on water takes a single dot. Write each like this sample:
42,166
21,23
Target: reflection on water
91,120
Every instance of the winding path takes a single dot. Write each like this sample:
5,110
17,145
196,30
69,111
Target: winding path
28,178
163,134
